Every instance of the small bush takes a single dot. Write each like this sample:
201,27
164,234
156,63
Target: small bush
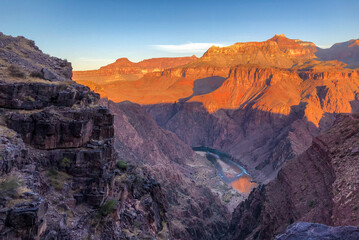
52,172
121,165
355,208
65,162
9,187
311,204
65,85
57,179
108,207
137,224
16,72
37,74
29,98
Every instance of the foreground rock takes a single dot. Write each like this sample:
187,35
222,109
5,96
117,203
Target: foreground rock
60,178
314,231
21,57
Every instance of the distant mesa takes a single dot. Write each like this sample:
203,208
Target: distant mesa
125,70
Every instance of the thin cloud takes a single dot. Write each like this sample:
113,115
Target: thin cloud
187,47
325,46
96,60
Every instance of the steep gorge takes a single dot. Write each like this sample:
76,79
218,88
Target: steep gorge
320,185
74,166
266,102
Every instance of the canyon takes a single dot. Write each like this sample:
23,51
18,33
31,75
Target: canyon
76,166
264,103
320,185
261,102
256,140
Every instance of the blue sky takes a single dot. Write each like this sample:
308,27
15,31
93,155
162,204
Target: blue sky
91,34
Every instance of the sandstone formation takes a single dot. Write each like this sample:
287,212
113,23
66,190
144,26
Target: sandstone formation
125,70
318,186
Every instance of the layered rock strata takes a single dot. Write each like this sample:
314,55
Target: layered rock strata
59,178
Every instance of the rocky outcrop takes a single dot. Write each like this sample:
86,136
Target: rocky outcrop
346,52
25,219
22,52
318,186
315,231
60,178
63,128
125,70
278,51
294,47
12,149
37,95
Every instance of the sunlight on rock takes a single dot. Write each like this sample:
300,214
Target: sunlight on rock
244,184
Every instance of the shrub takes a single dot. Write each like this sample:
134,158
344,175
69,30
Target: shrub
65,162
227,197
121,165
57,179
65,85
15,71
37,74
52,172
108,207
137,224
9,187
311,204
29,98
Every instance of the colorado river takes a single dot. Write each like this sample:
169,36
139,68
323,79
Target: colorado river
229,171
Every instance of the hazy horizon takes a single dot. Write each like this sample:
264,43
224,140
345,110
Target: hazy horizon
91,34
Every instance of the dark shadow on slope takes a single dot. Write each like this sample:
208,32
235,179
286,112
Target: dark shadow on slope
346,52
355,103
204,86
268,137
261,141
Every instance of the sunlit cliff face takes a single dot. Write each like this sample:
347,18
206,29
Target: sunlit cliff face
271,76
125,70
244,184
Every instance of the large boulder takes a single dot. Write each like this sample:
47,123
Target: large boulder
316,231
